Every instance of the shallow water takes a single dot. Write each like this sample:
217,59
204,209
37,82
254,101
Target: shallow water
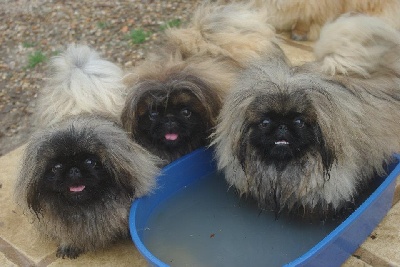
206,224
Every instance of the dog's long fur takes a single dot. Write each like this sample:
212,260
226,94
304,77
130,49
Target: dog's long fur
78,228
305,18
351,46
82,207
218,42
80,82
352,102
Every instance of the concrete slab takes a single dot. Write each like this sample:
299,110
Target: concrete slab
384,242
355,262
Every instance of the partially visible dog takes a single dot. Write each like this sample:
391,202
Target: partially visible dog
309,139
176,93
237,32
80,170
305,18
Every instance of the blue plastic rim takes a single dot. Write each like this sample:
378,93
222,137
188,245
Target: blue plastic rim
333,250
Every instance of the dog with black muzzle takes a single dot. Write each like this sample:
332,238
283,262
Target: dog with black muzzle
310,139
81,171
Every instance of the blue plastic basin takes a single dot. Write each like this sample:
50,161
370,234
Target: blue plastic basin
332,250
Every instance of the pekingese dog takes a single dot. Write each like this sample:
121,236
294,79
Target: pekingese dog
310,139
305,18
177,92
78,180
173,108
81,171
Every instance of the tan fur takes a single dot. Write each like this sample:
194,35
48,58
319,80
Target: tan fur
357,44
306,17
238,31
358,114
101,223
80,81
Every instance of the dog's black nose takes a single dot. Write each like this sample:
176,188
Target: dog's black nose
282,129
74,173
170,121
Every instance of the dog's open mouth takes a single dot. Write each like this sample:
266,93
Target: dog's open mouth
171,136
76,189
281,142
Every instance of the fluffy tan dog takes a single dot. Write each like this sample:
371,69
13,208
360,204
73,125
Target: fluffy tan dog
78,181
304,18
177,92
80,170
310,138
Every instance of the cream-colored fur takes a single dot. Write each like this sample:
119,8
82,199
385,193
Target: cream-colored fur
80,82
357,44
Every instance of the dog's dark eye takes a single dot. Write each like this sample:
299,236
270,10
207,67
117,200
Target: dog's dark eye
299,122
91,162
57,167
153,115
265,123
186,113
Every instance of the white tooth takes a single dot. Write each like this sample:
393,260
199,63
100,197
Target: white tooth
281,143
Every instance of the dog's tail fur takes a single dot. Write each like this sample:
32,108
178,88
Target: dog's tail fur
238,31
356,44
80,82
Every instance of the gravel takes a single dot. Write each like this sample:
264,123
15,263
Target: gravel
47,27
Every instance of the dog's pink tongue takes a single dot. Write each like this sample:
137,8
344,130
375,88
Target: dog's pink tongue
76,188
171,136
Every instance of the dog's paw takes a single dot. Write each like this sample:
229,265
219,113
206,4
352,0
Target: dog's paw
69,252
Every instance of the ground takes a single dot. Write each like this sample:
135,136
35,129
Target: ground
31,31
